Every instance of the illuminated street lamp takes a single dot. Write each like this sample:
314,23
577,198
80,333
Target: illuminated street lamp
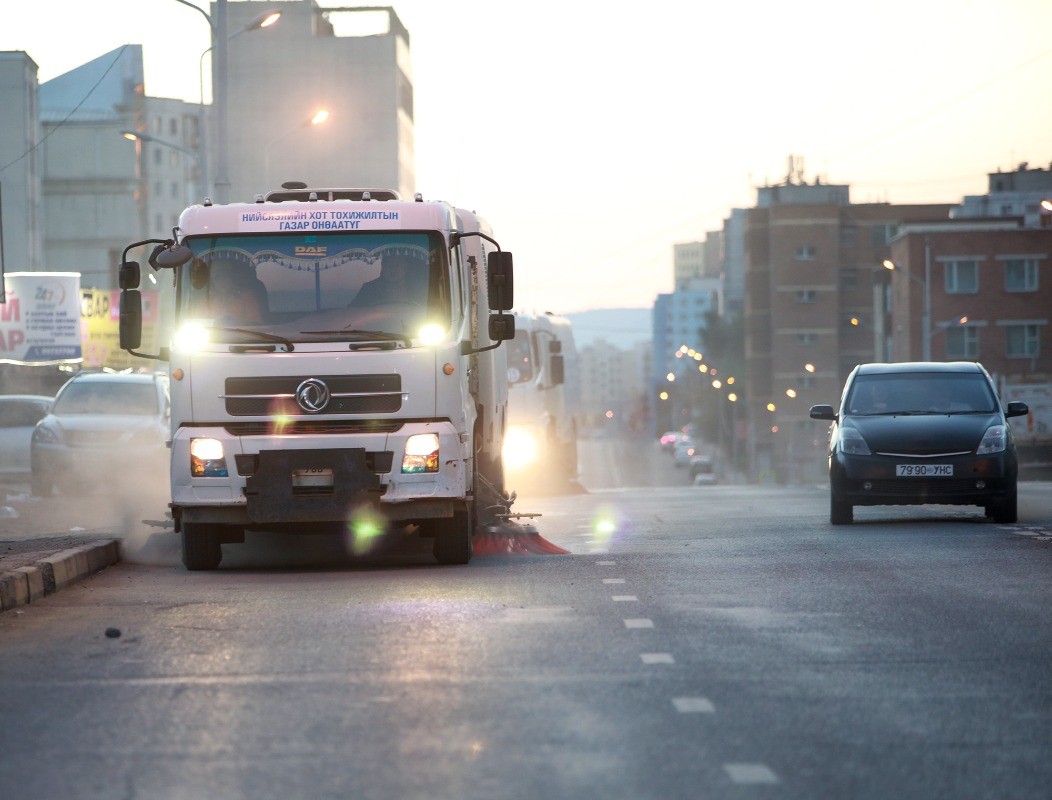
926,285
140,137
319,118
219,37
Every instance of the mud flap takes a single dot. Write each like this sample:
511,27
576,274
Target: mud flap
273,495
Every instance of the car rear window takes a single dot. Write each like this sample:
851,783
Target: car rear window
117,397
921,393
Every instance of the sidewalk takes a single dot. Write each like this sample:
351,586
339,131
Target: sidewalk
47,544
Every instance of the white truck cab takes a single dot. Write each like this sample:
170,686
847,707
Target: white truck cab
333,367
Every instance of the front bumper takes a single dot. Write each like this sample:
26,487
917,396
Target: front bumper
365,468
872,480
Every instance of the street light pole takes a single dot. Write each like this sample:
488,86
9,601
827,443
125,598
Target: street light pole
138,136
926,320
219,99
319,118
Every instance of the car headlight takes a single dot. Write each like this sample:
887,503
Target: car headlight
995,440
852,443
43,434
421,454
521,447
207,459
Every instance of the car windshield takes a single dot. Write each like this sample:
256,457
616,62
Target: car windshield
110,397
520,361
920,393
317,287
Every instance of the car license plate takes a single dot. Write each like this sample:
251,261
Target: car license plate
924,470
312,477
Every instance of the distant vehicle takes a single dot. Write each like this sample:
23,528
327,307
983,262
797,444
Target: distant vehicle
701,470
102,426
921,432
668,441
544,400
19,415
685,450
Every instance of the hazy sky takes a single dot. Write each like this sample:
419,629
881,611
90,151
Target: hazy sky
594,135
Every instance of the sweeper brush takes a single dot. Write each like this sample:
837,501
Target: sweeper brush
508,536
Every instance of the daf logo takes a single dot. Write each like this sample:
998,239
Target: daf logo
312,395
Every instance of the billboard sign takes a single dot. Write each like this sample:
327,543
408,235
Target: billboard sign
40,320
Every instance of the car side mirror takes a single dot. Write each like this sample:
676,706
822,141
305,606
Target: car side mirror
822,412
1017,409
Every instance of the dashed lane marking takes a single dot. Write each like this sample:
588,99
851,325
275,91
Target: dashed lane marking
750,773
657,658
613,580
639,623
605,563
693,705
625,598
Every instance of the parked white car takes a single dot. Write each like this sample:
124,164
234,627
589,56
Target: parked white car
19,415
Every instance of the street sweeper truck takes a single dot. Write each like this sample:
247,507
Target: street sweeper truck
336,365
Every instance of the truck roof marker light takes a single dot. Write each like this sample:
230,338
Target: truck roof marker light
432,334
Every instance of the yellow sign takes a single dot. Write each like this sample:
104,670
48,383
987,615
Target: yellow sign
100,329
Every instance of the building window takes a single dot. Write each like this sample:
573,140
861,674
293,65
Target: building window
848,236
173,126
805,253
962,277
848,280
1021,341
882,234
175,190
157,155
173,158
962,342
1020,274
806,338
806,295
156,124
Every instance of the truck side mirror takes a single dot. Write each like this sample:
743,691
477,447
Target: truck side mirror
501,327
499,282
555,346
170,256
558,370
128,275
131,319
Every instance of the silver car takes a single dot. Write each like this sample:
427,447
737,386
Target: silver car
19,415
102,426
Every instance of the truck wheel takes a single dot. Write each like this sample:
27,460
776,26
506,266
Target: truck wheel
201,548
453,538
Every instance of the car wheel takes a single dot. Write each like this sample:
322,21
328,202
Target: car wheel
840,513
1005,509
453,538
201,547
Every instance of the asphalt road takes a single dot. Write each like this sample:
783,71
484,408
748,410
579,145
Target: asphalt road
700,642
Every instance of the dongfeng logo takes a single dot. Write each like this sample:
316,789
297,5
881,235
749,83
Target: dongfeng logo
312,395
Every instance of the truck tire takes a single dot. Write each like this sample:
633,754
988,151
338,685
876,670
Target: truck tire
201,547
452,544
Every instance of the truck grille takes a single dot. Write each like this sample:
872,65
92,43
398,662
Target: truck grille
303,427
350,394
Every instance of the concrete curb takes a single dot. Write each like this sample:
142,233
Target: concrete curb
25,585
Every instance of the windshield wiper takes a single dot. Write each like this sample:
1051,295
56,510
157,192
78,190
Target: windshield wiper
356,335
266,337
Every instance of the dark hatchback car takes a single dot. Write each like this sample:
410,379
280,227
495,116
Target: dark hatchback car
921,432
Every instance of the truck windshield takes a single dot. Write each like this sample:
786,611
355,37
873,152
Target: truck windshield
318,287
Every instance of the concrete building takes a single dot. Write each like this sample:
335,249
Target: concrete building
20,223
1012,194
732,264
812,271
279,79
613,397
93,198
989,300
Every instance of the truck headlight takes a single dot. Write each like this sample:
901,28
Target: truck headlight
994,441
521,447
207,459
191,337
432,334
421,454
